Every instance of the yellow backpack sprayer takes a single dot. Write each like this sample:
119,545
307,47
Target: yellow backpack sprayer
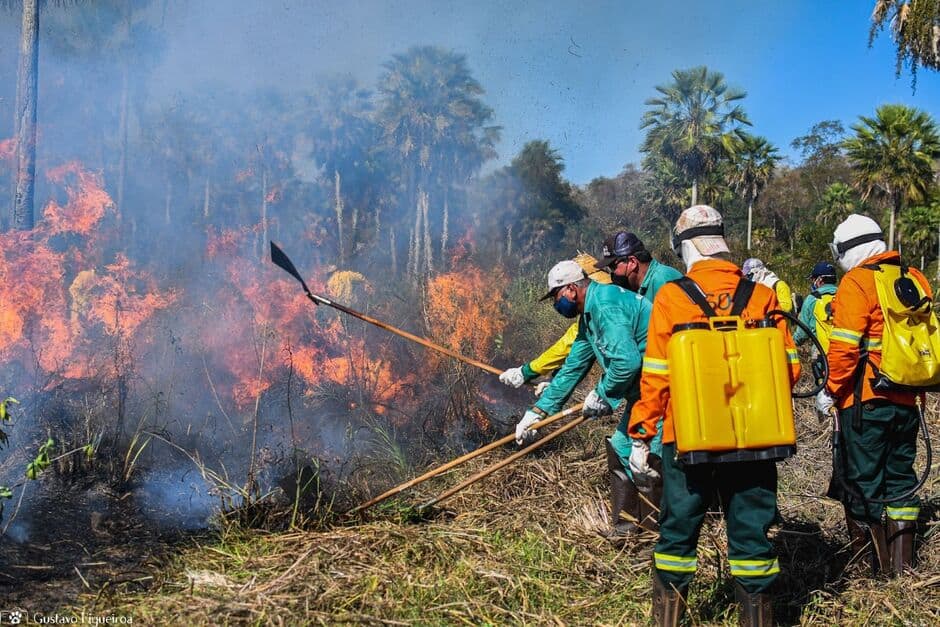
729,384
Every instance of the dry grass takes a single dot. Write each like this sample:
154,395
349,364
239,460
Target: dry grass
522,547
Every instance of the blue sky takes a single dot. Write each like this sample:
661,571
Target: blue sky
575,73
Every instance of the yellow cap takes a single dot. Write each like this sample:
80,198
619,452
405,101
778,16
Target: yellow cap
587,263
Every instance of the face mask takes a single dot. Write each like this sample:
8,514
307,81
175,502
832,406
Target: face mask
620,281
567,308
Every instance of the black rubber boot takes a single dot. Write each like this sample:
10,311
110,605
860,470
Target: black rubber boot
757,608
623,496
901,544
668,603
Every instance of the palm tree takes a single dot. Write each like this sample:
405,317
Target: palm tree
27,79
915,26
754,163
838,201
694,123
893,155
433,118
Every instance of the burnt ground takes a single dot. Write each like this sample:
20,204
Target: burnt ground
66,541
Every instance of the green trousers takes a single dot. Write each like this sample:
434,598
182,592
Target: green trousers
749,500
878,454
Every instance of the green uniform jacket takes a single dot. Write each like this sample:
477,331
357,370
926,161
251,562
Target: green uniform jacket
657,275
806,313
611,330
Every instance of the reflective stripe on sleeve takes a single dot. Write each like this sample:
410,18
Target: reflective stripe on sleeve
754,568
793,356
872,343
903,513
846,335
655,366
675,563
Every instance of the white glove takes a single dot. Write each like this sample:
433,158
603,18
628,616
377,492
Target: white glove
643,474
541,387
523,433
513,377
824,402
595,406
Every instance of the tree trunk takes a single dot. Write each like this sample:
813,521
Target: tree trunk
895,210
338,206
205,201
167,200
122,138
264,210
428,251
694,192
27,79
750,215
444,227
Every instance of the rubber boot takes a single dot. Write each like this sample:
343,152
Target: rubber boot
757,608
869,538
901,544
648,515
623,496
668,603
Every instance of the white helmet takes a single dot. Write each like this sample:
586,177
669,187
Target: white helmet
848,242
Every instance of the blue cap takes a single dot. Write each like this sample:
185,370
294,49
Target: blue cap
823,268
619,245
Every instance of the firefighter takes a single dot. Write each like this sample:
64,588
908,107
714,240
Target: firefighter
554,356
612,331
631,266
755,270
748,489
816,314
878,428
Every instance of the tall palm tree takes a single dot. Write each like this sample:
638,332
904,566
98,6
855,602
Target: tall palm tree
434,120
915,26
893,155
694,123
27,81
754,163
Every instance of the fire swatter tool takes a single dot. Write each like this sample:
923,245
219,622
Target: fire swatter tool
282,261
486,472
434,472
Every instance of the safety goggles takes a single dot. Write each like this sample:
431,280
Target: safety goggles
840,249
698,231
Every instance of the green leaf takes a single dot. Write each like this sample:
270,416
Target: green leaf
5,492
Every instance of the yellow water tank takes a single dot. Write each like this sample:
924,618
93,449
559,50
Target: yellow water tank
729,389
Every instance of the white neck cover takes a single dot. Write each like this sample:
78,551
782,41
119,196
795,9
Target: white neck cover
690,254
857,254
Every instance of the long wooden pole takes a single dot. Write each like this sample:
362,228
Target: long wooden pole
460,460
502,464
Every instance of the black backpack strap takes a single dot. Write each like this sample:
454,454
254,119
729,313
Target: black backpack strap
816,294
694,292
742,294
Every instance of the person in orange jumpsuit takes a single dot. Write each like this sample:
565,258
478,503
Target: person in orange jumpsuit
878,428
748,489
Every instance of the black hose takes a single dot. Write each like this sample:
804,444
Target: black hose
822,381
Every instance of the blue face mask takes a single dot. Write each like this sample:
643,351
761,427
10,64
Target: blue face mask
567,308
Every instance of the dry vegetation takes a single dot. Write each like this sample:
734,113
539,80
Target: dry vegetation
523,548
